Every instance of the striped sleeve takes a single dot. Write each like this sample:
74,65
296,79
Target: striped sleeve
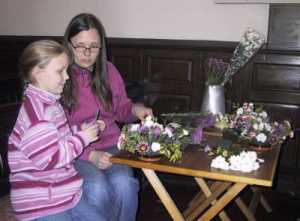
47,149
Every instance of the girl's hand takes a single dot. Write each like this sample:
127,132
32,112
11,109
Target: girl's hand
140,111
100,159
91,131
101,125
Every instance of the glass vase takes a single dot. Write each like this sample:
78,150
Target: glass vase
213,99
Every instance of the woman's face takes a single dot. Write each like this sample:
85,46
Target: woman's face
86,47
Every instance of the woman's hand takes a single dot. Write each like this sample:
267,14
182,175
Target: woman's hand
100,159
140,111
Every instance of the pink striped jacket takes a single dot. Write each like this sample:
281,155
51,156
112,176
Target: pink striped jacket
40,155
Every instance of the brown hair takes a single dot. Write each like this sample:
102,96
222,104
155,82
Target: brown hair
100,84
38,54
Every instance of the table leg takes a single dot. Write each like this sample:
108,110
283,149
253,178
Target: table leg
163,195
223,201
258,197
249,215
198,199
207,192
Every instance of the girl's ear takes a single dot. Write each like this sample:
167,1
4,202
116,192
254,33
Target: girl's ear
35,74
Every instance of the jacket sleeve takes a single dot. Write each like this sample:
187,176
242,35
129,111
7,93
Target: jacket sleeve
47,148
122,105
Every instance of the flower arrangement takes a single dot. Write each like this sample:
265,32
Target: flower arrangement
215,70
195,121
254,126
250,43
151,138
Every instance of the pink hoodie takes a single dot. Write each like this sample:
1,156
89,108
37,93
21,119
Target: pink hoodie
88,104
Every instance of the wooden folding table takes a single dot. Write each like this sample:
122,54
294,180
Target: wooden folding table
215,195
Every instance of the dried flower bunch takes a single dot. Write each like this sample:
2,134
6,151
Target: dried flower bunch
151,138
250,43
215,70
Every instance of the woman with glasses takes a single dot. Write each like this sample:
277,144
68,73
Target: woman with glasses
96,85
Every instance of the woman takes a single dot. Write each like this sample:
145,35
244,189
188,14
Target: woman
95,84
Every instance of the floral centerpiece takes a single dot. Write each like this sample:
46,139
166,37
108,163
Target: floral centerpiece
254,127
150,138
196,122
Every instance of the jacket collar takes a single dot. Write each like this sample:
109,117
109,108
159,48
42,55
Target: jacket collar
45,96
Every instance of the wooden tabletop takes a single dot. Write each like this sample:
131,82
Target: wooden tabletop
196,163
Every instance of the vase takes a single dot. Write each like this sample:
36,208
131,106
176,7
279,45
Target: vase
214,99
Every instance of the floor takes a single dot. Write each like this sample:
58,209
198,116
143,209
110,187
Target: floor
285,207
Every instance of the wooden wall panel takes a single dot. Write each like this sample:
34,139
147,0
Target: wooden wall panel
128,62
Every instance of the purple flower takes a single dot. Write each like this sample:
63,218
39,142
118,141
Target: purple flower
207,148
207,121
197,135
142,147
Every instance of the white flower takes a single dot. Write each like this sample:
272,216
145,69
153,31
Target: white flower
155,146
134,127
169,132
148,122
239,111
220,163
185,132
268,127
246,161
255,126
174,125
261,126
120,141
263,114
261,137
259,119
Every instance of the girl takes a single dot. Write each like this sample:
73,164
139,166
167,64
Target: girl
44,184
96,84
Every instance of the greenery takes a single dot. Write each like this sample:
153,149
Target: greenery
151,138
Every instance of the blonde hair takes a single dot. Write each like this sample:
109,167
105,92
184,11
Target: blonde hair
38,54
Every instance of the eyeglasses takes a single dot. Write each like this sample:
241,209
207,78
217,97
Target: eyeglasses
83,49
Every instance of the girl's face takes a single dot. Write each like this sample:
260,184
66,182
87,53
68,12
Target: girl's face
86,47
52,78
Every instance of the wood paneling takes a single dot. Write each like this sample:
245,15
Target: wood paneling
284,26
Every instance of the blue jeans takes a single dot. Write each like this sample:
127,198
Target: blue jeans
112,194
114,190
83,211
